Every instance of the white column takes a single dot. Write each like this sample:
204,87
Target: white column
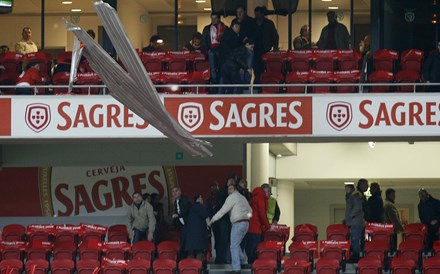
259,165
286,201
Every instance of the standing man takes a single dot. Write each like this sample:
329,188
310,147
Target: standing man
141,220
239,213
273,211
26,45
335,35
355,211
258,223
182,206
431,69
429,214
212,35
392,216
266,39
375,210
302,41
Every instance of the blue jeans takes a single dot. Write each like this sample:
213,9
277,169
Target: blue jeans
246,77
356,237
238,232
213,66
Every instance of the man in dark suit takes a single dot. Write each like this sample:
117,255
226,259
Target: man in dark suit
180,216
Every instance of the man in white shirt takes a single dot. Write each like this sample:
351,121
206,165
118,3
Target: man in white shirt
26,45
239,213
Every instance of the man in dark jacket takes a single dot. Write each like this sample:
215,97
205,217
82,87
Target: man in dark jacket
375,211
182,206
211,36
334,35
266,39
233,59
431,69
429,214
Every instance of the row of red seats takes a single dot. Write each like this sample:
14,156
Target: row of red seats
107,266
343,60
339,77
174,61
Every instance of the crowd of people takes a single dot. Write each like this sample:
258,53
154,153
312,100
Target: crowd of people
235,217
360,210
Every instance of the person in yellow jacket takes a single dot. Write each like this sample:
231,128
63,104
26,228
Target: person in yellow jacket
273,211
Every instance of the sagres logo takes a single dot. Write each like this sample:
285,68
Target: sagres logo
190,115
339,115
37,116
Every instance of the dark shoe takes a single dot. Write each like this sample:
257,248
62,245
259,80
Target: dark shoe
246,266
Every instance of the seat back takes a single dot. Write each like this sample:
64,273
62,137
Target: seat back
296,77
346,77
376,250
402,266
411,59
411,249
168,250
87,78
62,266
13,232
270,77
369,266
264,266
294,266
324,60
178,61
11,266
117,233
431,265
320,77
64,250
153,61
164,266
406,76
37,266
299,60
337,232
138,266
274,61
190,266
87,266
143,250
12,61
380,77
384,59
327,266
348,59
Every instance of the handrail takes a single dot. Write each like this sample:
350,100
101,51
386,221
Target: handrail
251,87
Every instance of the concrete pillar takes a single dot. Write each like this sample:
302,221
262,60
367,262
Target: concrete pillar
285,198
259,165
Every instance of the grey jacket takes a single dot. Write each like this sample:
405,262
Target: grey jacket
142,218
354,212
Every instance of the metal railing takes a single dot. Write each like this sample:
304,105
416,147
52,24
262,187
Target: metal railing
246,89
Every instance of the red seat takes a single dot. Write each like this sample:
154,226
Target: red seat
336,253
384,59
402,266
190,266
143,250
266,250
377,250
305,232
297,77
411,59
164,266
62,266
60,79
295,266
415,231
407,76
270,77
346,77
369,266
300,252
338,232
153,61
12,61
13,250
87,78
38,249
13,232
381,236
177,78
178,61
113,266
90,249
44,59
380,77
64,57
116,250
37,266
274,61
93,231
138,266
42,232
11,266
198,77
200,63
168,250
264,266
324,60
272,235
67,233
348,59
9,79
327,266
320,77
411,249
431,265
87,266
117,233
299,60
64,251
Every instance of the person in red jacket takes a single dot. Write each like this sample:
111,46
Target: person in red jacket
30,77
258,224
